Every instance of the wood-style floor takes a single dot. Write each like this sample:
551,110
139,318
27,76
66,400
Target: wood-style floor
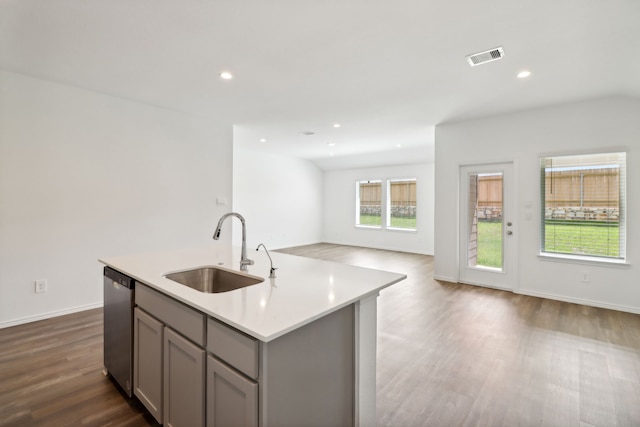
448,355
460,355
51,375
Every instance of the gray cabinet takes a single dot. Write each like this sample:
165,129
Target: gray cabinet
169,359
232,398
232,372
305,377
147,362
184,381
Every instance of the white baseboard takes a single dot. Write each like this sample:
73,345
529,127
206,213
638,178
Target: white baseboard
580,301
445,279
29,319
381,247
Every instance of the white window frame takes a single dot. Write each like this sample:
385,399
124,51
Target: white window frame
357,216
388,204
385,204
586,258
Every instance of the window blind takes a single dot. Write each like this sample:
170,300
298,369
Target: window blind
583,205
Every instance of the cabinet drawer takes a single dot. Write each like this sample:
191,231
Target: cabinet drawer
234,347
181,318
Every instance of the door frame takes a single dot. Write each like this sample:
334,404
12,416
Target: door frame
507,277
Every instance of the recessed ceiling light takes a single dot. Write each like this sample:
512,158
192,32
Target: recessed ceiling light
263,140
226,75
524,74
399,145
336,125
331,144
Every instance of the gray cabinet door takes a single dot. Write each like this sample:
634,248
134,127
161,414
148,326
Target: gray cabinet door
232,399
147,362
184,381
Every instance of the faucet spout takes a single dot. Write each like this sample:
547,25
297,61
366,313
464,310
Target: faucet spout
244,261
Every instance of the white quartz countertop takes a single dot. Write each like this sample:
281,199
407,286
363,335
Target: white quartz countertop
304,290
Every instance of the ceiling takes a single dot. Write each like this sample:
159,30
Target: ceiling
386,71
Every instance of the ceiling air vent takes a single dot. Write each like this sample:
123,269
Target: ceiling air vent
486,56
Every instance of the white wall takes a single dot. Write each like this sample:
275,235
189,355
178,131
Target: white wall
606,124
280,198
85,175
340,209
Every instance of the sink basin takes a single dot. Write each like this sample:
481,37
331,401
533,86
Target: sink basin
213,279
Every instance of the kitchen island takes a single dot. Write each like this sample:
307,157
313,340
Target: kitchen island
298,349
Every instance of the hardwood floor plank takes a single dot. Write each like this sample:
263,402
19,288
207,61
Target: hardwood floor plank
595,392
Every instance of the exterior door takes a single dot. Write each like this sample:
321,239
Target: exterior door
487,229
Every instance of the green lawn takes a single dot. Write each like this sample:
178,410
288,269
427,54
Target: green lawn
370,220
399,222
600,239
490,244
395,221
568,238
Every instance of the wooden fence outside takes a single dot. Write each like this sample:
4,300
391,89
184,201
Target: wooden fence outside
490,191
590,188
584,195
403,193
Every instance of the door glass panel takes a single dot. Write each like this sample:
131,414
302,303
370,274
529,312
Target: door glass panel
485,244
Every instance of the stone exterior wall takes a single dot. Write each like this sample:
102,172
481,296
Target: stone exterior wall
494,213
490,213
583,214
375,210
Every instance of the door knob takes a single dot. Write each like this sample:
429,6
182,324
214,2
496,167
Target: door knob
509,232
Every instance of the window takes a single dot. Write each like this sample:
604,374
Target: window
486,228
401,206
583,203
369,203
395,208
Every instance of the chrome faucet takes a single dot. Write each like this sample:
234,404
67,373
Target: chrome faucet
244,261
272,270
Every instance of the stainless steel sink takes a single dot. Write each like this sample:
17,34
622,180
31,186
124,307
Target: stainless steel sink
213,279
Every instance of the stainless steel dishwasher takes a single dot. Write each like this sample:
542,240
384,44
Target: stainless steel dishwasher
118,327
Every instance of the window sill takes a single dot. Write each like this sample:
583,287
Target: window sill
403,230
369,227
577,259
377,227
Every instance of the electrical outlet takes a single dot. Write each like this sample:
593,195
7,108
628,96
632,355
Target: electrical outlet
41,286
584,277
